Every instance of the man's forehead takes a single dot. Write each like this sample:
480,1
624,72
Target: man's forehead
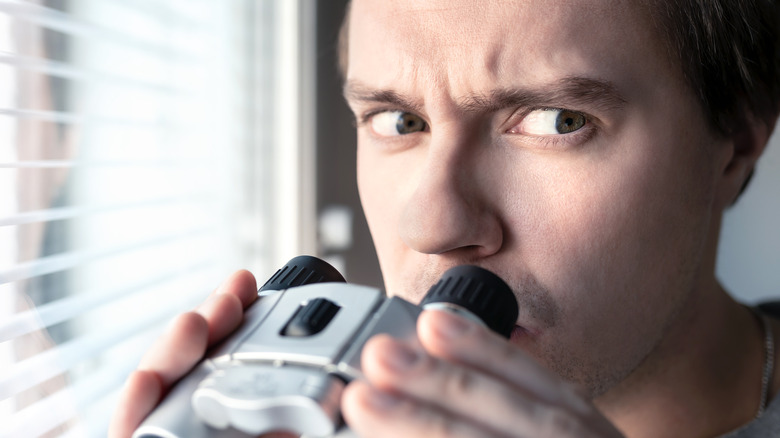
462,45
468,17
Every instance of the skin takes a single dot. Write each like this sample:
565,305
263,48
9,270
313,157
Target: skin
606,234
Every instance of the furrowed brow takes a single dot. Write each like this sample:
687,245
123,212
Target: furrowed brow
355,91
570,92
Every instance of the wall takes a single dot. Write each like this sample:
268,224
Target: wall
749,257
336,184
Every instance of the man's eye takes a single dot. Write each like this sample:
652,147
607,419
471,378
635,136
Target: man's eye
551,121
392,123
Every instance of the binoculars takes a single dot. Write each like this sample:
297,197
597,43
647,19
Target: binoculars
284,369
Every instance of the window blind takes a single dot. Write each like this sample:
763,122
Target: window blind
142,146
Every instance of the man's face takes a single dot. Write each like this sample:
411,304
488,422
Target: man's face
552,142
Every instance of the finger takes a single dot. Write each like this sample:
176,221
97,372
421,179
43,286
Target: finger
241,284
223,309
139,396
370,412
459,340
178,349
223,314
475,397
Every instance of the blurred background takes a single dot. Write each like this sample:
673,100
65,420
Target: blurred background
148,149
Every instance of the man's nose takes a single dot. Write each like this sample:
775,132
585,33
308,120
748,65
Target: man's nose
451,209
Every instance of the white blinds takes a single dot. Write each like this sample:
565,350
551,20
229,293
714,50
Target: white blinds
138,150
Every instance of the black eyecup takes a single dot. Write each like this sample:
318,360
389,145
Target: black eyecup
479,291
302,270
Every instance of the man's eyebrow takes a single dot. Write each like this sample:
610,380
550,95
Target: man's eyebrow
358,92
570,92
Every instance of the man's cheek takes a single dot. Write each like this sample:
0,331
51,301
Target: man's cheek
587,255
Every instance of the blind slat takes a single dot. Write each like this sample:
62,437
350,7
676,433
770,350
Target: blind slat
54,164
42,164
56,263
49,116
64,309
94,120
60,213
66,71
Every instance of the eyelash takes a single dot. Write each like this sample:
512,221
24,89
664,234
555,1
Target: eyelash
365,118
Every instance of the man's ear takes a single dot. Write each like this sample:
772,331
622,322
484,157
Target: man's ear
748,142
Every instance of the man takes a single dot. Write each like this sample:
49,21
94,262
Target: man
584,151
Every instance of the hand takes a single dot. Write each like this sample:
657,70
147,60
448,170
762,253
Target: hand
179,349
463,382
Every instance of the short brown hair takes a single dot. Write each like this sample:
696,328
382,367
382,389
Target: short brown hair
729,53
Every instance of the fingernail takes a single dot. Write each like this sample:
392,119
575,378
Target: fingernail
398,356
382,400
451,326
